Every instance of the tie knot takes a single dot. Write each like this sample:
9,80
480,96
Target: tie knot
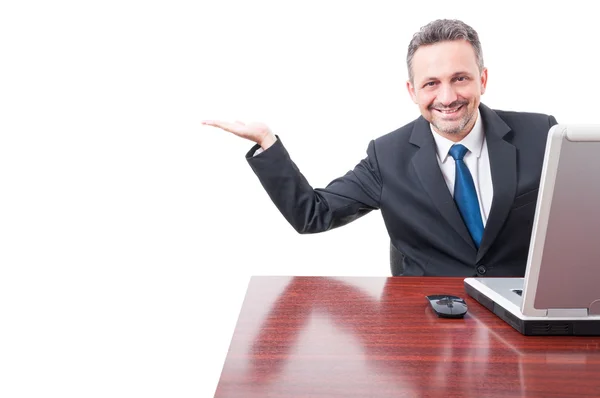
458,151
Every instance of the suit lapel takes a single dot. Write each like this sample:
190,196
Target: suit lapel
503,165
430,175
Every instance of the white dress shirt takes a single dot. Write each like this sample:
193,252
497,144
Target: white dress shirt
476,159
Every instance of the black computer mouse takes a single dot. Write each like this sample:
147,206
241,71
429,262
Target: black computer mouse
446,306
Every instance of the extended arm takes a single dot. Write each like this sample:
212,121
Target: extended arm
308,210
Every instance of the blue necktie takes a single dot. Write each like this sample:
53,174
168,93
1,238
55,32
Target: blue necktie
465,195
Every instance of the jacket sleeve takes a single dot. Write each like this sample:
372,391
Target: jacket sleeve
309,210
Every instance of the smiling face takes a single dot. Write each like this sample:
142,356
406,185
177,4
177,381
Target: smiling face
447,85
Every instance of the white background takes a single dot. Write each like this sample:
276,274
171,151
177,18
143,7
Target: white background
128,231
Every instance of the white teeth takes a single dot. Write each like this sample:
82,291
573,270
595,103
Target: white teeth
448,111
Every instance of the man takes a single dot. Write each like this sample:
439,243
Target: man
457,187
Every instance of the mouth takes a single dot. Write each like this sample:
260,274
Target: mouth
449,111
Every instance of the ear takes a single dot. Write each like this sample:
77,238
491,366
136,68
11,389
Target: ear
484,78
411,91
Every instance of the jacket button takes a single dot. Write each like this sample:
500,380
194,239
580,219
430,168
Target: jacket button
481,270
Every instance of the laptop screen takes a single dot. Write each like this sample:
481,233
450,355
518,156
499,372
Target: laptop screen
567,258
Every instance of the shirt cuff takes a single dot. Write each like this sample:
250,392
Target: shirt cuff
260,150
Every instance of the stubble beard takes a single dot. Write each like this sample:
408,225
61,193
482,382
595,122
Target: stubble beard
453,128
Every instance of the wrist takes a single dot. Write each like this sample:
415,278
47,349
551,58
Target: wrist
267,141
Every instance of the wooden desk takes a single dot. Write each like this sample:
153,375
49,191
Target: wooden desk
377,337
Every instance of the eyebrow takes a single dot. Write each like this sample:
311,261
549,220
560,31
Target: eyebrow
453,75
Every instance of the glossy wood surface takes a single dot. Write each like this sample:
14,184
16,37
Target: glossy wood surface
378,337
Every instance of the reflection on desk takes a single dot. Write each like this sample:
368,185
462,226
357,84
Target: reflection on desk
378,337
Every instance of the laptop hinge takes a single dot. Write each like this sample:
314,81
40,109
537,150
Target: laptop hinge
567,312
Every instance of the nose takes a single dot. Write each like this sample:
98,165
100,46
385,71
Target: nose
446,95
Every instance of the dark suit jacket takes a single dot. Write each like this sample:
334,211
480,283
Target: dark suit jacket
401,177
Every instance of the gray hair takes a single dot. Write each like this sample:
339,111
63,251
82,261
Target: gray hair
443,30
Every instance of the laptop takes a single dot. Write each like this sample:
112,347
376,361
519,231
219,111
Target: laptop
560,293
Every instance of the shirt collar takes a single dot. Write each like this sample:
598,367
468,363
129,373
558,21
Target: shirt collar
473,141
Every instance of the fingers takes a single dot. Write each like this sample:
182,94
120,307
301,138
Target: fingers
222,125
230,127
216,123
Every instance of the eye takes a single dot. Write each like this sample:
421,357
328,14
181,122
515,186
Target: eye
429,84
461,79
